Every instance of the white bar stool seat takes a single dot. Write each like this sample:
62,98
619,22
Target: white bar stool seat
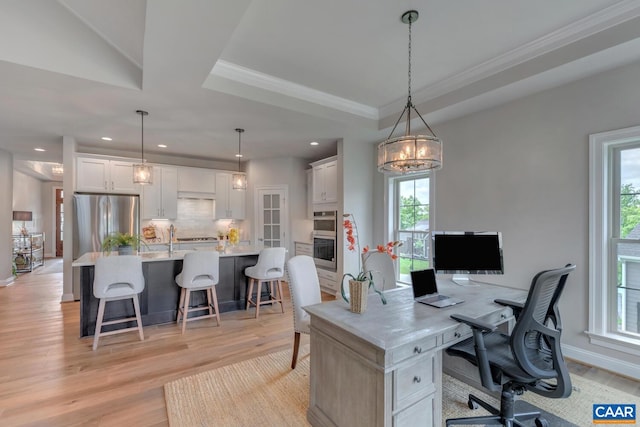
268,270
116,278
200,272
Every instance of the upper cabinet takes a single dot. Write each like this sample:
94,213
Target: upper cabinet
101,175
196,180
160,199
325,181
230,203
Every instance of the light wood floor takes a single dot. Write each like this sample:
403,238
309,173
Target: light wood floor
50,377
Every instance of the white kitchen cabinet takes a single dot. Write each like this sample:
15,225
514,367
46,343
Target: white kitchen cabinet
230,203
102,175
325,181
196,180
160,199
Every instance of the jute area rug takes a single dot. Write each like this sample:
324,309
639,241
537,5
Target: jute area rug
265,392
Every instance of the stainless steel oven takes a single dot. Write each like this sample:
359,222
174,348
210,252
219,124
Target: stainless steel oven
325,227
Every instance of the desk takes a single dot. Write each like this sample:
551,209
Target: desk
384,367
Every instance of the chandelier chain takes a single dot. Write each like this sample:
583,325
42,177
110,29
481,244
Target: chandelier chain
409,72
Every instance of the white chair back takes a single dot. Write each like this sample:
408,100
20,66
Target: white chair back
199,269
270,264
118,276
304,288
382,269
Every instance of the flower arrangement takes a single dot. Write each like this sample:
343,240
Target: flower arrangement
353,243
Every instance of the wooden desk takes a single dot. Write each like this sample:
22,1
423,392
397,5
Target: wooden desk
384,367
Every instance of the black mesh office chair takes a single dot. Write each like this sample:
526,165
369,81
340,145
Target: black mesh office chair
522,361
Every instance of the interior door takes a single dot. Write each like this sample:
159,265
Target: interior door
272,216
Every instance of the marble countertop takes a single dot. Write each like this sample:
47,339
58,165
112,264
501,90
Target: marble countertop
90,258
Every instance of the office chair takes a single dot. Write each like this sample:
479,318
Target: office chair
522,361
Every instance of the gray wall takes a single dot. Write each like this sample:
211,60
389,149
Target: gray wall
522,168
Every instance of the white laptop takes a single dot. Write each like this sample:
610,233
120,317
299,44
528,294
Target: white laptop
425,290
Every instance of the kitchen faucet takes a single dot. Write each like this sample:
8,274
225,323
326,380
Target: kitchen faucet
172,231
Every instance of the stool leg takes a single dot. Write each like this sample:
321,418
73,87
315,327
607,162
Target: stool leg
185,313
209,302
280,295
136,307
272,295
260,282
215,304
249,294
180,304
96,334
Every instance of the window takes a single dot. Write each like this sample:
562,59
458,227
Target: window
411,223
614,227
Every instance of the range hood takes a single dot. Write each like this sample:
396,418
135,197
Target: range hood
196,195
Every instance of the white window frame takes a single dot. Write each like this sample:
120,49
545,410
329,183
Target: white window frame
604,236
394,200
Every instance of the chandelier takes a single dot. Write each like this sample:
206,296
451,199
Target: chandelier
142,172
409,153
57,169
239,179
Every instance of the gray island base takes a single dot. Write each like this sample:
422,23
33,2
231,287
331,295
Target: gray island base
159,300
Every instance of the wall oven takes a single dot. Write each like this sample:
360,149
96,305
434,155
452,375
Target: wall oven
324,239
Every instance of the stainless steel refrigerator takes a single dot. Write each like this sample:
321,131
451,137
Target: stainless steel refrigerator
95,217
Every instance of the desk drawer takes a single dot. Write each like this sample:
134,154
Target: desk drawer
414,349
418,414
410,382
463,331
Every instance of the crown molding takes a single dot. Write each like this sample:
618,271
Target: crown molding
592,24
280,86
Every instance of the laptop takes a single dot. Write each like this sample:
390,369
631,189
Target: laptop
425,290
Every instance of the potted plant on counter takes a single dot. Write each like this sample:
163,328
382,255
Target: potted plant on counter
124,243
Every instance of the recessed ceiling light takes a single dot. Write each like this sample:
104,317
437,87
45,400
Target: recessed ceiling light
313,143
162,146
39,149
106,138
238,155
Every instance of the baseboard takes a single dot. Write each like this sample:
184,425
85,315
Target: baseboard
67,298
607,363
6,282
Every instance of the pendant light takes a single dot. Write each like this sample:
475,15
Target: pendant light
142,172
409,153
239,179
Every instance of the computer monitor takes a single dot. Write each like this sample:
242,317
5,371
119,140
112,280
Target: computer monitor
467,252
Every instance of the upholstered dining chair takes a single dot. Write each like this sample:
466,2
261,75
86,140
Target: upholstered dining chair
529,359
382,269
304,288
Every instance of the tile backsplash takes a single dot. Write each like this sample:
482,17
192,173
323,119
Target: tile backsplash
195,219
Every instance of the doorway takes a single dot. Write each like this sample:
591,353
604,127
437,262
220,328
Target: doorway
59,221
271,216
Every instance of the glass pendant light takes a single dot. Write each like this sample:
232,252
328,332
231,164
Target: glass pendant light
239,179
142,172
409,153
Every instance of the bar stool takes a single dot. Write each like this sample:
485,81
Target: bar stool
116,278
200,272
269,269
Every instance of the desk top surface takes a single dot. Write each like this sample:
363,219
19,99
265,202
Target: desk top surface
402,320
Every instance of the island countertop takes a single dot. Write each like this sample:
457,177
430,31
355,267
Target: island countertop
89,259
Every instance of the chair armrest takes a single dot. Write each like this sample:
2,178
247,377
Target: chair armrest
474,323
517,307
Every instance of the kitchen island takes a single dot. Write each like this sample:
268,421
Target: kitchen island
159,300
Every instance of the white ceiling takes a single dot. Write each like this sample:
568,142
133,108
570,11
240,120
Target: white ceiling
288,71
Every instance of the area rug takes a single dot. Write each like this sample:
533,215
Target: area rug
50,266
265,391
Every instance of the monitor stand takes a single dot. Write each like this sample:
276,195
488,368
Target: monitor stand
463,280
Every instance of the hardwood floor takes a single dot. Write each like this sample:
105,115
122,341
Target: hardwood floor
50,377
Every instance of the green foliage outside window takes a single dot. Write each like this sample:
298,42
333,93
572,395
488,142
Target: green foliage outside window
629,209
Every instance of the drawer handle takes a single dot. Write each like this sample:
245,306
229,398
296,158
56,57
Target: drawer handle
417,379
417,350
457,335
503,316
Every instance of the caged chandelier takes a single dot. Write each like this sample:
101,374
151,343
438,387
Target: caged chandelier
409,153
239,179
142,172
